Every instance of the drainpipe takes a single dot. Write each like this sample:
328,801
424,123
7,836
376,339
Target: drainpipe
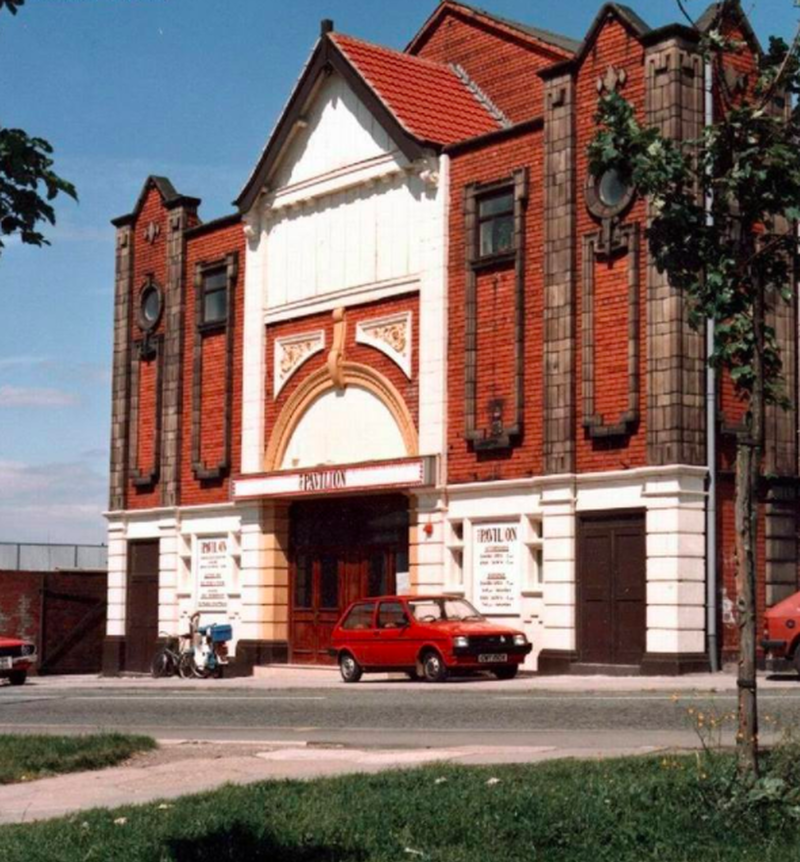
711,438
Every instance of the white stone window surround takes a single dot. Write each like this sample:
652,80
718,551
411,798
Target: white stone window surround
458,541
392,335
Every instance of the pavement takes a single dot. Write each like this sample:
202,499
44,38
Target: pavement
201,771
282,677
598,716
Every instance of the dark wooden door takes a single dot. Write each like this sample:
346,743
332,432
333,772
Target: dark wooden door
340,552
324,583
142,605
612,589
73,622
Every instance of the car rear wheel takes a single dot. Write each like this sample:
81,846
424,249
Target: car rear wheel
17,677
796,659
349,668
506,672
433,667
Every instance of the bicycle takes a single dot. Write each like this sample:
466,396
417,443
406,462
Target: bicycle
167,661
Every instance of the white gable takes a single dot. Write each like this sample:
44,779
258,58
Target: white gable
341,133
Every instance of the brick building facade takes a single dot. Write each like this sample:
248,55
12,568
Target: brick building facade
430,352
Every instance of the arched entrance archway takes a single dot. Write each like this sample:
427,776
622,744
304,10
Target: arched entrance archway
344,547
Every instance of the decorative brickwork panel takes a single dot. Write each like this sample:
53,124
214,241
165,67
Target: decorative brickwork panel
500,292
149,266
212,393
355,317
212,372
676,361
493,399
616,59
559,262
611,409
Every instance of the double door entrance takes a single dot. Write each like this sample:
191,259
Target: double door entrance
612,589
341,550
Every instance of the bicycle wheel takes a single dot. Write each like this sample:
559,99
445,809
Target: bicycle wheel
186,666
163,664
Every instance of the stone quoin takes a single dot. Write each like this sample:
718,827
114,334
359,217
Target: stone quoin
428,353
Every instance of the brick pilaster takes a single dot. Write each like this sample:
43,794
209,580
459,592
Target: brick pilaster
174,312
559,275
120,415
676,353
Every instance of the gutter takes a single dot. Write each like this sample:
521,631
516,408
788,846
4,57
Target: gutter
712,575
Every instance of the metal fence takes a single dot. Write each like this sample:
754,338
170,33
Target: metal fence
23,557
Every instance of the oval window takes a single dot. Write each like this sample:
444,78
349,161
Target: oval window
613,187
151,305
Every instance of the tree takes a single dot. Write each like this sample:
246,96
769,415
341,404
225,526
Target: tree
25,167
723,229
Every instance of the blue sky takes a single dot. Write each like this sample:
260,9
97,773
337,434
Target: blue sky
189,89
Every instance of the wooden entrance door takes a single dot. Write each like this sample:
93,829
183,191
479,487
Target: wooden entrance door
340,551
324,584
612,589
142,605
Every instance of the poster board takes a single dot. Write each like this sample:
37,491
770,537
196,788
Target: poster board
212,567
496,567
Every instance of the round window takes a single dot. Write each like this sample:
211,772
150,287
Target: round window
150,306
613,188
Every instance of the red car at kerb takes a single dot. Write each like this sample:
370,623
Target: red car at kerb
17,657
781,638
423,636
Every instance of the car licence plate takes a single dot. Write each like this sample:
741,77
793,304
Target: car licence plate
493,657
5,662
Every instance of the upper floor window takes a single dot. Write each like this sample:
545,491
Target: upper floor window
215,295
496,223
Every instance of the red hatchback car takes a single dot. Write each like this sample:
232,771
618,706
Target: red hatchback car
17,657
781,638
423,636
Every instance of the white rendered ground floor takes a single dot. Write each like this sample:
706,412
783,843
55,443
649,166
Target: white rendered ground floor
601,571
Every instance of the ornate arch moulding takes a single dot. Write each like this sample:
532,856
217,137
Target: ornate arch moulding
291,352
318,383
391,334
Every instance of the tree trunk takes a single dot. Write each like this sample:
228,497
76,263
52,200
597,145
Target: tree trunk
748,480
746,526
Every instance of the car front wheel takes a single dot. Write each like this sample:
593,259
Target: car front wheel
17,677
349,668
433,667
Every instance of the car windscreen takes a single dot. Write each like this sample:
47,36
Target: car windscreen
443,610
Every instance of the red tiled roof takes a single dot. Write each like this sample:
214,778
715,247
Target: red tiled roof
429,99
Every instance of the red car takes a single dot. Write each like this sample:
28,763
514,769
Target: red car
423,636
782,631
16,659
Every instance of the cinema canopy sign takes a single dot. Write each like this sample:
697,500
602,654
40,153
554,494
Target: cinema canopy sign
338,479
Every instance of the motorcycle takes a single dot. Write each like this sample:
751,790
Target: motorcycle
209,652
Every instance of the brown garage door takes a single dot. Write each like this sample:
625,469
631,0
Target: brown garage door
612,596
142,610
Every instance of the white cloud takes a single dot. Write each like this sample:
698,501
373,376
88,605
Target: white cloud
57,502
31,396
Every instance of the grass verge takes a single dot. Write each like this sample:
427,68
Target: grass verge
566,811
24,758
